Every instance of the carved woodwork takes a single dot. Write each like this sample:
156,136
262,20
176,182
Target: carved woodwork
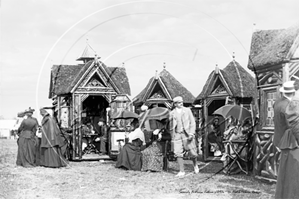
266,156
76,124
158,94
91,76
220,90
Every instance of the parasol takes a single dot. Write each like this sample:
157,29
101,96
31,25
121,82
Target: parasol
158,113
124,114
235,111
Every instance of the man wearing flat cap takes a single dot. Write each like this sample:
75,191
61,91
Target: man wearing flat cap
286,139
183,128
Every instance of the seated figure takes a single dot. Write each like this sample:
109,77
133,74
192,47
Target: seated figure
130,156
215,137
152,156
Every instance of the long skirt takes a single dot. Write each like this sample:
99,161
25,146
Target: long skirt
26,152
287,185
152,159
130,157
52,157
38,152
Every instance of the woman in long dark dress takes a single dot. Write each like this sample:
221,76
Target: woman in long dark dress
51,142
130,157
27,140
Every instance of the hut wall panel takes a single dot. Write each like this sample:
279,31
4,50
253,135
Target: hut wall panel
76,127
266,156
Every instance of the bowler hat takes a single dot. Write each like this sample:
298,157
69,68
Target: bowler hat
288,87
177,99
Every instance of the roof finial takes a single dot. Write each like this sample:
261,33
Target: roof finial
217,69
254,27
156,74
164,66
123,64
233,55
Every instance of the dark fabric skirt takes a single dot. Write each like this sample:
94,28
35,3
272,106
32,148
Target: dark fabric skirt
287,185
52,157
130,157
38,152
152,159
26,152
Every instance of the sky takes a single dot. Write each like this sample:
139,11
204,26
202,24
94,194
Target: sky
189,37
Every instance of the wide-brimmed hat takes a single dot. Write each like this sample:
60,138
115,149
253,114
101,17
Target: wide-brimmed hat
288,87
29,110
177,99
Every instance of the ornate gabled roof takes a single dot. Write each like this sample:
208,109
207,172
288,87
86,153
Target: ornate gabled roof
171,86
272,47
236,79
65,77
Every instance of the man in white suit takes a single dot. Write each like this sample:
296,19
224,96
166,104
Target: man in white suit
183,128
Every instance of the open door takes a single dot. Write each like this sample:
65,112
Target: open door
213,105
87,113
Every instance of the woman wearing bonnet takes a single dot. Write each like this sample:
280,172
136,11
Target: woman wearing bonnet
27,140
51,142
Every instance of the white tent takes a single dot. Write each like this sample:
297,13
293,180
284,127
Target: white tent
5,127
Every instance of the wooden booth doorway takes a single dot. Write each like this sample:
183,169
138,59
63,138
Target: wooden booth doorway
211,106
93,109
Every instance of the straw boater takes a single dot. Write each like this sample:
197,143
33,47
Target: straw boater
286,138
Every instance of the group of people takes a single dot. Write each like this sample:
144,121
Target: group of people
234,130
95,137
46,150
180,130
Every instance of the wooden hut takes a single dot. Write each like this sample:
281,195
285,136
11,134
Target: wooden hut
274,57
232,85
161,89
83,92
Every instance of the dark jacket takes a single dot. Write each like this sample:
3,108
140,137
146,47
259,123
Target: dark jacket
51,134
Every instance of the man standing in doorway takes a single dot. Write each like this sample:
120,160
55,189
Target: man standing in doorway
286,138
103,136
183,127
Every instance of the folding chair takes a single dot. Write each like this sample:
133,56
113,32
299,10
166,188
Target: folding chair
237,154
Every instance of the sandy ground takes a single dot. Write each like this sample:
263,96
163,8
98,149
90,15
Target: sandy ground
100,179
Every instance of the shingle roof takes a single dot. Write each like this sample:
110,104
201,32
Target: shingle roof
232,74
64,77
271,47
173,86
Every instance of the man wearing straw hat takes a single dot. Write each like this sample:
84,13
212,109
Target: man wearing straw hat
286,138
183,127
